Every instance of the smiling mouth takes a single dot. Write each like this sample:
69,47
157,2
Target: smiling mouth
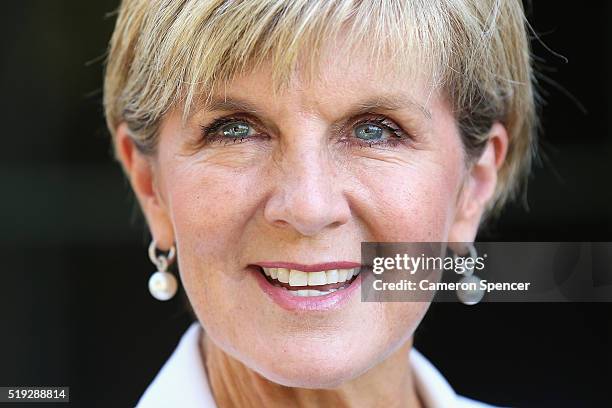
319,283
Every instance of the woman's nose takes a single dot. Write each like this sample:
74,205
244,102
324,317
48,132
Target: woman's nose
308,194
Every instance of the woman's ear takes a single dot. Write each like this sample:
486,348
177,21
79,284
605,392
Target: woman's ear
140,170
479,186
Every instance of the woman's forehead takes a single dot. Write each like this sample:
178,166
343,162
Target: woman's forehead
343,80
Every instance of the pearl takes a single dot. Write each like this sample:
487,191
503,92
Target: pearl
470,296
162,285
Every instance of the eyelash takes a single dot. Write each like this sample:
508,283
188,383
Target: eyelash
398,136
209,132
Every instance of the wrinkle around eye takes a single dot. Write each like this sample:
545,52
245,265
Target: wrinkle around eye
402,154
232,155
244,153
394,159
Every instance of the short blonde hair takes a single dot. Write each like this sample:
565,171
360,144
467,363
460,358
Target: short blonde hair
167,53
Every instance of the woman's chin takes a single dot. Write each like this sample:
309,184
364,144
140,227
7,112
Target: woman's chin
315,370
314,376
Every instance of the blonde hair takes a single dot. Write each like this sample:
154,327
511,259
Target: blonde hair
167,53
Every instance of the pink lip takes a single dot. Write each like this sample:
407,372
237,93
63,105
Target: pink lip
309,268
290,302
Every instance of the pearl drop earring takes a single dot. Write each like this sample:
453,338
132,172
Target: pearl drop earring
470,296
162,284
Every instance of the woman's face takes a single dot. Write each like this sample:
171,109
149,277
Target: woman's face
303,178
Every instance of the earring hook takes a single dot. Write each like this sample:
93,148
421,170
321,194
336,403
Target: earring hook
161,261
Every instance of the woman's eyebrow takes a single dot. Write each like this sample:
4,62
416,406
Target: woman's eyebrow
229,104
381,102
390,103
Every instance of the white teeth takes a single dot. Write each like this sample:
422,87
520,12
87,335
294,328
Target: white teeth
331,276
317,278
283,275
300,278
308,293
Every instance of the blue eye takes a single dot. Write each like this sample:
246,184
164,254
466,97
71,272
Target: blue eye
369,132
230,130
236,130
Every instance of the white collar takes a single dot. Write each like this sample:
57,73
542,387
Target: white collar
182,381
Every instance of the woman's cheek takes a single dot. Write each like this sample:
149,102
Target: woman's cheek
211,200
409,203
210,207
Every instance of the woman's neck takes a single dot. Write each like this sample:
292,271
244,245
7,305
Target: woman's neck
389,384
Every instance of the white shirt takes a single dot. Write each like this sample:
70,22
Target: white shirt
182,381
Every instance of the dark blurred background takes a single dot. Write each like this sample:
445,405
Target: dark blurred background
74,305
